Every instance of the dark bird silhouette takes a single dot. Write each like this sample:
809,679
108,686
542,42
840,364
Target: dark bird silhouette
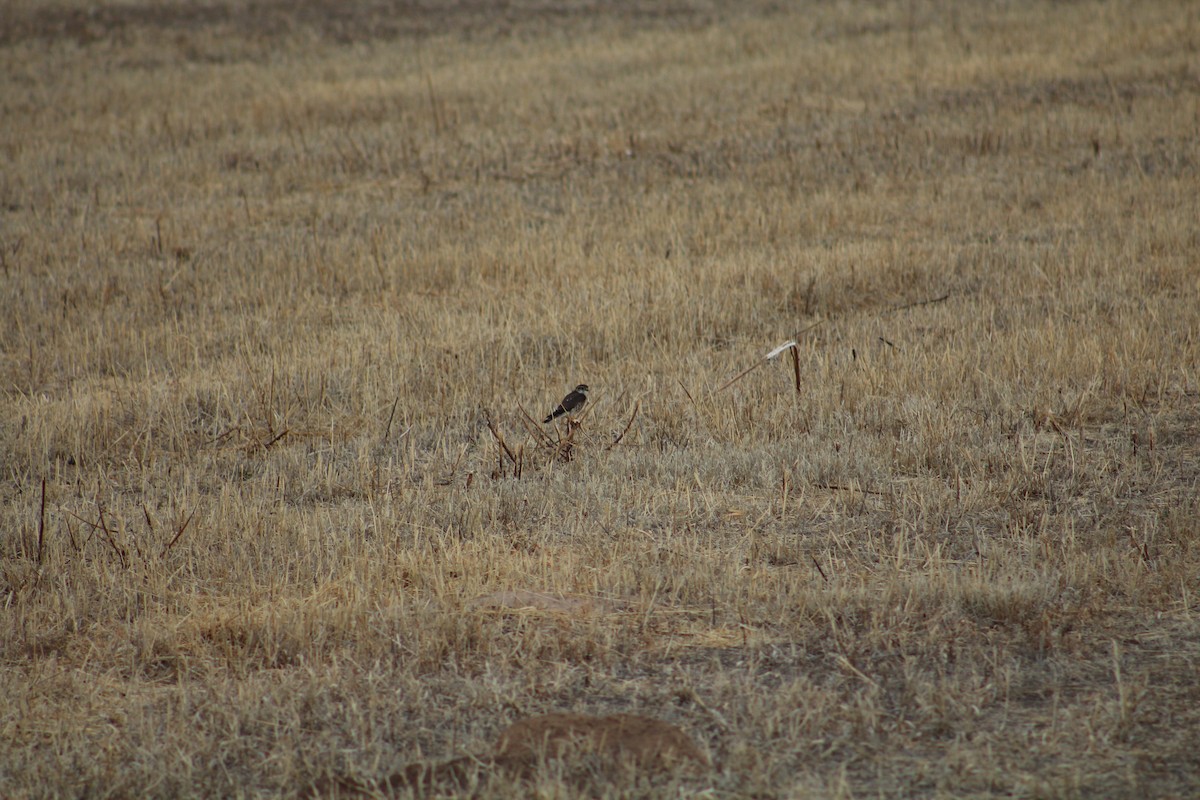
571,402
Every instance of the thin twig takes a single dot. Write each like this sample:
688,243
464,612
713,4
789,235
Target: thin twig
817,564
277,437
71,534
836,487
87,522
387,431
928,302
499,439
636,406
739,376
42,525
112,542
179,533
223,435
685,391
534,429
803,331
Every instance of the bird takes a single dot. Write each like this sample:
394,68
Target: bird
571,402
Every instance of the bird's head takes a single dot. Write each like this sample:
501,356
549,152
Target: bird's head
582,388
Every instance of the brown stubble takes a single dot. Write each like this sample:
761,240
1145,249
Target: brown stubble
280,294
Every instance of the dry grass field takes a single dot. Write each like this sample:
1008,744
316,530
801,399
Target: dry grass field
283,282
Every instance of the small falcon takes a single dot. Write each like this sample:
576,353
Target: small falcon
571,402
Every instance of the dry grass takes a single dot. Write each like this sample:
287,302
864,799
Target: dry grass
270,269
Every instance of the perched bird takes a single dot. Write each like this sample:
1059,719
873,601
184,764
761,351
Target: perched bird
571,402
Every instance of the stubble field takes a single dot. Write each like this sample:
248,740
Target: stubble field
282,285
